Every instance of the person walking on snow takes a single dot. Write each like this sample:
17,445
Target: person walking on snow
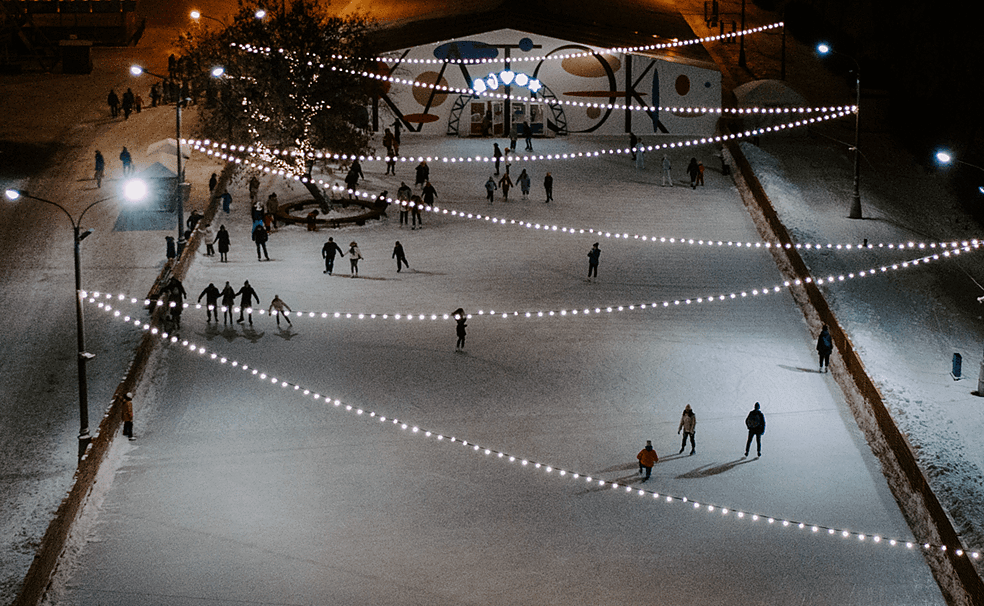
211,294
246,301
127,161
400,256
460,317
354,256
593,255
328,254
490,188
700,173
228,302
548,186
279,305
693,171
223,239
260,236
667,179
825,346
353,176
212,182
114,104
127,416
688,425
523,180
755,422
505,183
100,168
647,458
254,189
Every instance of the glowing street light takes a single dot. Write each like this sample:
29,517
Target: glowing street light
825,49
132,192
945,157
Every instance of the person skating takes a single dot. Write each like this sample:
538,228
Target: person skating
228,302
693,171
490,188
688,425
421,174
254,189
428,194
497,154
640,156
279,306
505,183
260,236
523,180
223,239
328,254
353,176
246,294
211,294
127,416
647,458
594,255
667,179
528,134
354,256
700,173
212,182
460,318
548,187
175,299
209,239
403,198
100,168
825,346
400,256
272,208
755,422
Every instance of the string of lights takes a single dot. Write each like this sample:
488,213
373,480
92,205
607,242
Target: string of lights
101,298
225,152
530,464
481,89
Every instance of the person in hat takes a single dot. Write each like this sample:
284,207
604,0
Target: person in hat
688,425
354,256
647,458
128,415
593,256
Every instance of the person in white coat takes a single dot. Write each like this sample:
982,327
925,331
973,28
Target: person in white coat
354,256
688,425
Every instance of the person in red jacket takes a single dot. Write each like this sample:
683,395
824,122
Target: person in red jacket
647,458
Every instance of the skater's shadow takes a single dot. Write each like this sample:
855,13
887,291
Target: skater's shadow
251,335
709,470
797,368
210,333
621,467
286,333
427,273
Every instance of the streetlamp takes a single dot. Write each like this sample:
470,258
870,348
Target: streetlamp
945,157
133,191
824,49
182,187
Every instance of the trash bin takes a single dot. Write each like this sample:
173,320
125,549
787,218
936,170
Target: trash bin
172,251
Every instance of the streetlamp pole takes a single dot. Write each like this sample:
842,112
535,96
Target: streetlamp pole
83,356
855,213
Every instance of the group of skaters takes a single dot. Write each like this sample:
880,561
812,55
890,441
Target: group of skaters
754,423
505,181
225,300
695,170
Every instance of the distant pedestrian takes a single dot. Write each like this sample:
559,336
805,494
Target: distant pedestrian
246,294
416,206
647,458
328,254
260,237
127,415
279,306
528,133
211,294
354,256
548,187
688,425
223,239
226,202
593,256
100,168
700,173
127,161
212,182
667,179
228,302
633,142
755,422
640,156
497,154
209,238
254,189
504,184
403,198
460,317
422,173
126,103
400,256
273,207
523,181
114,104
693,171
490,188
825,346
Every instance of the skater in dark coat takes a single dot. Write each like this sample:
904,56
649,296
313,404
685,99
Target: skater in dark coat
528,134
328,254
460,317
260,236
127,161
246,294
400,256
353,176
755,422
548,186
593,256
114,104
211,294
523,181
490,188
403,197
497,154
505,182
175,299
422,173
688,425
100,168
228,302
212,182
223,239
825,346
647,458
127,104
693,171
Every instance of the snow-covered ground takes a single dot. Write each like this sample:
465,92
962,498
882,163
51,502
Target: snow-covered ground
237,489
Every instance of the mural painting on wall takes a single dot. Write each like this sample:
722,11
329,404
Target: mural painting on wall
536,73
